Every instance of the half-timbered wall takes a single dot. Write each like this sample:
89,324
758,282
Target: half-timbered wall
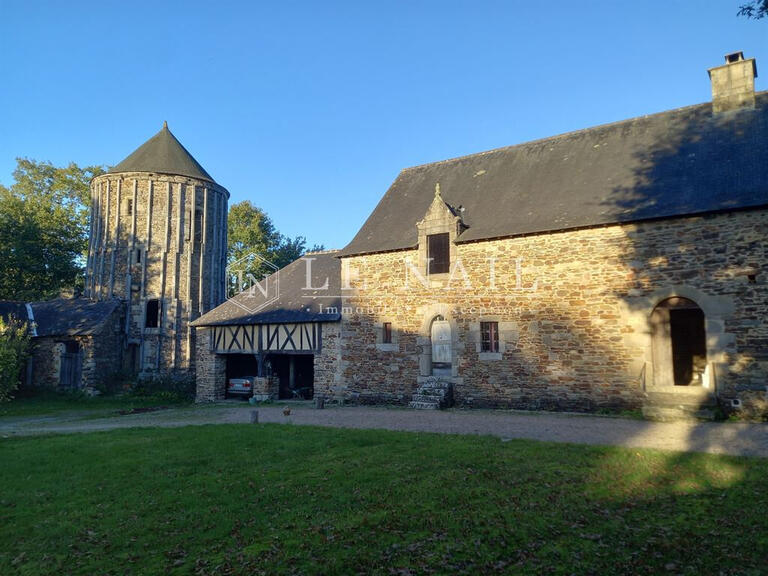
286,338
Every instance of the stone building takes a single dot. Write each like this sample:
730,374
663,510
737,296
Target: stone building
286,335
76,343
617,267
158,243
614,267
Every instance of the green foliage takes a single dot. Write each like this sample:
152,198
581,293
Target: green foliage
755,9
251,231
14,349
277,499
44,229
35,402
170,387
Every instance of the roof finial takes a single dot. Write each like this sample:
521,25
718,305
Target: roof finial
437,190
165,125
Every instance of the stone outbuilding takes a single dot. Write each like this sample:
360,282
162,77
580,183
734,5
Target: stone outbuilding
77,344
285,332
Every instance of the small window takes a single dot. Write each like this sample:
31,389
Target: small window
198,226
386,335
137,256
129,207
152,319
489,332
439,253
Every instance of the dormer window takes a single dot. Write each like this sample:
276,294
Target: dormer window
439,253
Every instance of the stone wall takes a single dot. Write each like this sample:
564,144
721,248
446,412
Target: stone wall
326,362
211,368
573,310
156,236
101,355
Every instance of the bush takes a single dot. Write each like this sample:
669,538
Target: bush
116,384
14,349
169,387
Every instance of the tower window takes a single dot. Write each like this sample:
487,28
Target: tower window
152,319
386,334
439,253
198,226
137,256
129,207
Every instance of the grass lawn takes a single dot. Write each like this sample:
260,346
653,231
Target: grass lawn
281,499
48,403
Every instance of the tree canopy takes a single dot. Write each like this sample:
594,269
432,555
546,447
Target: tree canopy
44,229
755,9
250,231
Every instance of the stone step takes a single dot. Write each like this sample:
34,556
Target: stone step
418,397
436,386
693,397
660,413
424,405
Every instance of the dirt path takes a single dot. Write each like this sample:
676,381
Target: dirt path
728,438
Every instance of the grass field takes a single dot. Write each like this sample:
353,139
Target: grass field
44,404
281,499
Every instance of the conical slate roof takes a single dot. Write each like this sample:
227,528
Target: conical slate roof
164,154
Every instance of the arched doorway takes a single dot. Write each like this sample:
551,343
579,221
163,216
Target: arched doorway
440,336
679,343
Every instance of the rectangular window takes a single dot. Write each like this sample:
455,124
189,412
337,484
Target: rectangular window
152,319
129,207
489,333
386,336
439,253
137,258
198,226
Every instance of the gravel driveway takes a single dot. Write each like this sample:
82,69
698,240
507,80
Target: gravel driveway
727,438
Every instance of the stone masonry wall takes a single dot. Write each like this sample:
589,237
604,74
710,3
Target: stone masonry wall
211,368
156,236
326,362
573,310
101,355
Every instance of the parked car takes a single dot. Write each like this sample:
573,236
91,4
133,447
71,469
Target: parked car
241,386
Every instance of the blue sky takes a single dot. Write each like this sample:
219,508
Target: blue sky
310,109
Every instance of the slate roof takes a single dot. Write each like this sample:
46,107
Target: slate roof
71,317
681,162
294,303
163,154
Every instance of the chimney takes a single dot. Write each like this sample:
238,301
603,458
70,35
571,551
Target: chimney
733,85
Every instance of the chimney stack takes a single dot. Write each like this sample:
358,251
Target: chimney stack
733,85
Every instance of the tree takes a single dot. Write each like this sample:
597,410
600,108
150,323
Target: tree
44,229
250,231
755,9
14,347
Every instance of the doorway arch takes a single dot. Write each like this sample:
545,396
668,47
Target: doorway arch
679,342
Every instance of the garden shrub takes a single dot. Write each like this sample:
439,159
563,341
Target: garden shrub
14,349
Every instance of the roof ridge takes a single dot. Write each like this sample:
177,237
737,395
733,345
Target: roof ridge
561,135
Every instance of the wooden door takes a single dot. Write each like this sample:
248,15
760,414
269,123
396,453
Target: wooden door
441,342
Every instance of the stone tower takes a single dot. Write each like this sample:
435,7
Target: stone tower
158,242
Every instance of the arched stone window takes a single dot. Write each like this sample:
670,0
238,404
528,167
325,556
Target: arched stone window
679,341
